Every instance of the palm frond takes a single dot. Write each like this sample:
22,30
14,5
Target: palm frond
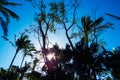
83,21
6,15
6,3
86,22
97,22
104,26
114,16
32,48
4,26
11,13
29,54
6,39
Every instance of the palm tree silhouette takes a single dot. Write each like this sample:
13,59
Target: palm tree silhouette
27,51
22,43
93,27
7,13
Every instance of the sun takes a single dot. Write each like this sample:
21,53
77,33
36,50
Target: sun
51,56
113,48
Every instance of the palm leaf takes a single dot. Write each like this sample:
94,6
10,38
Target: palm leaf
86,22
11,13
114,16
9,3
29,54
97,22
6,14
6,39
104,26
4,26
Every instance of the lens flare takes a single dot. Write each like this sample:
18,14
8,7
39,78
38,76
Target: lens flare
51,56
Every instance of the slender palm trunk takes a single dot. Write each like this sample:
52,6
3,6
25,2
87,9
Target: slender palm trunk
13,60
22,74
22,61
86,38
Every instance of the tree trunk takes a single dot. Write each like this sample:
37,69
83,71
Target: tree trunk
69,40
13,60
22,61
86,38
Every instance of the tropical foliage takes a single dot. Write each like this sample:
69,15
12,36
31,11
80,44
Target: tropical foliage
6,14
22,43
87,59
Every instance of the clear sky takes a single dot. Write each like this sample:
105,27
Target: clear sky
26,13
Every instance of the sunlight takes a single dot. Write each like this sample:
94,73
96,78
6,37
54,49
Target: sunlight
51,56
113,48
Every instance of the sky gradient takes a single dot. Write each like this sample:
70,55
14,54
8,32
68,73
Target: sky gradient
26,13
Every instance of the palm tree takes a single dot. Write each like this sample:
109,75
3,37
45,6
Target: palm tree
27,51
86,23
7,13
93,28
21,43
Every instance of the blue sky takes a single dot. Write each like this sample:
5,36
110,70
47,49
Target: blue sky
26,13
